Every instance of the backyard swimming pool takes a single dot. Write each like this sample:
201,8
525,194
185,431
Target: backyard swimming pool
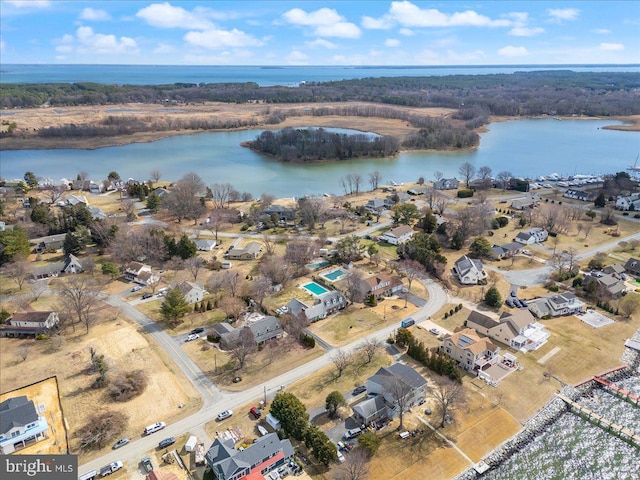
333,275
315,289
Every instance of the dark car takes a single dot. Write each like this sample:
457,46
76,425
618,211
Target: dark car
166,442
524,303
359,390
147,295
509,302
120,443
197,330
517,302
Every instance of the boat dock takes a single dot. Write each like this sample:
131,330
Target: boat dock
619,431
618,392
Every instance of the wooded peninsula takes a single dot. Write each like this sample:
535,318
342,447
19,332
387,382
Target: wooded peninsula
439,112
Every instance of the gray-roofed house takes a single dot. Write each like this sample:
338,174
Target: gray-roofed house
375,204
398,235
469,271
20,424
506,251
205,244
579,195
446,184
283,213
29,324
324,305
266,454
140,273
251,251
556,305
263,330
611,283
192,291
381,285
380,383
615,268
370,410
51,243
633,266
71,264
521,203
519,329
531,236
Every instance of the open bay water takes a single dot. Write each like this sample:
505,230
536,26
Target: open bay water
262,75
527,148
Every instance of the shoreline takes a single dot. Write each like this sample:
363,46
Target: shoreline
30,120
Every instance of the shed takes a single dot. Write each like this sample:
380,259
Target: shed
190,446
274,422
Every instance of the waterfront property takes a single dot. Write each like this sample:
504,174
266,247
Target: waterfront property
519,329
315,289
471,352
398,235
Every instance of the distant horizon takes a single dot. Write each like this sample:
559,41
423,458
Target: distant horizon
372,65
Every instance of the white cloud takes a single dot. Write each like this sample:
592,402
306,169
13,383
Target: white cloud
216,38
98,43
611,47
601,31
406,32
326,22
163,48
525,31
321,42
165,15
383,23
392,42
29,3
93,14
511,51
296,57
563,14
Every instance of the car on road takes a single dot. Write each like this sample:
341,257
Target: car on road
434,330
154,427
191,337
359,390
166,442
196,330
120,443
255,412
147,295
136,288
225,414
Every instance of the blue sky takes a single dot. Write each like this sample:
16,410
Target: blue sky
319,33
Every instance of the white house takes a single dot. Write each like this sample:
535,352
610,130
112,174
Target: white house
446,184
628,202
469,271
521,203
398,235
20,423
519,329
556,305
205,244
192,291
140,273
29,324
531,236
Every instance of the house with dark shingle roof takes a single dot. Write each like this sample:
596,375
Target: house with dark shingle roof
381,285
324,305
633,266
29,324
263,330
469,271
19,424
518,329
256,461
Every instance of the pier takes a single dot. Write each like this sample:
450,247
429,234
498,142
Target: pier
618,392
620,431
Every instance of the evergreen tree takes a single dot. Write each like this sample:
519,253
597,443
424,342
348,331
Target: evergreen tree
186,248
492,298
174,306
72,244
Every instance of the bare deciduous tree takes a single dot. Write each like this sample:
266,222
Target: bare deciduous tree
341,360
233,282
374,180
259,288
467,171
102,428
79,296
52,193
355,467
299,251
370,347
355,288
221,193
18,271
38,288
276,269
243,346
447,394
438,175
23,351
270,243
194,265
232,307
155,175
505,177
400,392
411,269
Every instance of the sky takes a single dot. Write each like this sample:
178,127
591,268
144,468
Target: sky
346,32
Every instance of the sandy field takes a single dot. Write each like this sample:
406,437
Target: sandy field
30,120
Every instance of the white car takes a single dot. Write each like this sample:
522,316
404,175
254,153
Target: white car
136,288
434,330
191,337
225,414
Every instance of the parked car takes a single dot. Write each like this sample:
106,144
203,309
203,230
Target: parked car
255,412
196,330
154,427
136,288
359,390
146,463
109,469
353,433
524,303
341,458
120,443
191,337
225,414
434,330
509,302
166,442
147,295
517,302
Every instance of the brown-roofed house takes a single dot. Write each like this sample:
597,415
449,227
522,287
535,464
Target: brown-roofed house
381,285
469,350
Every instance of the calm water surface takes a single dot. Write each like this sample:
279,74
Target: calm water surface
524,147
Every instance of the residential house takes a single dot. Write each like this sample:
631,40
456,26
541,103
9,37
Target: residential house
96,213
71,264
508,250
284,214
579,195
192,292
556,305
266,454
611,283
398,235
140,273
29,324
324,305
531,236
469,271
376,204
20,424
521,203
616,269
205,244
396,197
263,330
469,350
633,267
225,215
94,187
519,329
51,243
384,391
446,184
251,251
628,202
381,285
77,200
160,191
